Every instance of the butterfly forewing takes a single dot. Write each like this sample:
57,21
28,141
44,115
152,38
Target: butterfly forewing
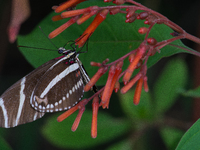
15,108
60,88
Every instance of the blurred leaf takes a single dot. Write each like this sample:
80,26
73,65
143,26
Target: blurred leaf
123,145
171,136
4,145
143,111
191,93
60,134
112,39
191,138
173,77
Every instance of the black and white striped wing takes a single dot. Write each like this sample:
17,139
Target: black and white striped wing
60,88
15,108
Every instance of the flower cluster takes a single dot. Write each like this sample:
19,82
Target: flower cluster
138,57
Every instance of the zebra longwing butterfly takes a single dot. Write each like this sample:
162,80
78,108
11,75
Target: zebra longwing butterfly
57,85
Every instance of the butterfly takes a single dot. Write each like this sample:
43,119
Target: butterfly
56,85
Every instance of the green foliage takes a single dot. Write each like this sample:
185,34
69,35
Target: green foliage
61,135
191,138
3,144
113,39
173,77
191,93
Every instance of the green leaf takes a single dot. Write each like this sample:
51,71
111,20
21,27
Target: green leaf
166,88
191,93
191,138
125,144
4,145
143,111
60,134
112,39
171,136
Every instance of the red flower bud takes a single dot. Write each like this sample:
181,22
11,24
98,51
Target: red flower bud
138,91
67,4
63,27
78,119
95,108
95,78
101,16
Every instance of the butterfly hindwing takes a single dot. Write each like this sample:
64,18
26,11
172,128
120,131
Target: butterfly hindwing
60,88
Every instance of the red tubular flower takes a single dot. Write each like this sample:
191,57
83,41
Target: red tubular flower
77,12
111,84
56,18
143,30
95,78
138,91
131,83
118,2
130,12
107,90
67,113
95,108
101,16
67,4
116,87
108,1
114,11
78,119
95,64
63,27
146,88
140,52
131,19
86,17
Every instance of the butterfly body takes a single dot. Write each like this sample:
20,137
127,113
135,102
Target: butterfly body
56,85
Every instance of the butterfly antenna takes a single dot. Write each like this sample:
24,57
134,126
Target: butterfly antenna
37,48
84,44
71,45
48,38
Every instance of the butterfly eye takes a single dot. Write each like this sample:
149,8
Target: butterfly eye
60,51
